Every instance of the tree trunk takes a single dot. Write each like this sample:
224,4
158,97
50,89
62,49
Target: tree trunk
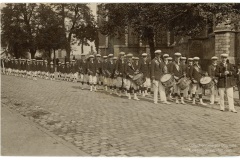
54,60
151,43
97,43
15,51
82,46
49,55
67,39
68,50
32,52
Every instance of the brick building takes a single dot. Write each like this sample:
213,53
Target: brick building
214,41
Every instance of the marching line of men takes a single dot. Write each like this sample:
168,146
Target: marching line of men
116,75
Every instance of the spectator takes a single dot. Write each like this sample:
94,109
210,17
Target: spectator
238,78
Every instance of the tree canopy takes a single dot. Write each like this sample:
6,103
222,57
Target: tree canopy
27,27
185,19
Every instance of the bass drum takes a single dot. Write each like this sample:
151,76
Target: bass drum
167,80
183,83
207,82
139,79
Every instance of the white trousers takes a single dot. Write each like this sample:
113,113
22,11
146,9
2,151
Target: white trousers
196,89
159,88
129,83
213,92
109,82
99,79
229,92
92,79
147,83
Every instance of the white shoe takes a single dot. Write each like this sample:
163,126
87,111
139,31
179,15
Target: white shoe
201,102
135,98
129,96
166,102
194,101
211,103
183,102
155,102
177,102
233,110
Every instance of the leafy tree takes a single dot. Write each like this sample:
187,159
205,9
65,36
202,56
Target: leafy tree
73,16
183,19
50,33
19,19
85,33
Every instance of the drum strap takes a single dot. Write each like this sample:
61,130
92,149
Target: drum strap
197,68
177,66
131,66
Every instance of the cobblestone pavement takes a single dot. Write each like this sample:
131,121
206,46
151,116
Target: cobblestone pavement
106,125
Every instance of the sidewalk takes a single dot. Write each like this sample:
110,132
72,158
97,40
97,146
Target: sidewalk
21,137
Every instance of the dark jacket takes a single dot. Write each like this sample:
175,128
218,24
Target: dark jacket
129,69
196,73
83,67
51,69
225,81
188,69
98,66
59,68
156,69
120,67
45,68
178,72
104,68
111,66
92,68
74,68
212,71
67,68
144,67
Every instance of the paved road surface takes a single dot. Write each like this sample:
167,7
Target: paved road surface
105,125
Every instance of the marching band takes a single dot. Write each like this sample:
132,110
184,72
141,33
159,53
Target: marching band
176,79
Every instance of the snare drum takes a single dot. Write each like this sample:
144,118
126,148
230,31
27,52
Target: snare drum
167,80
139,79
183,83
207,82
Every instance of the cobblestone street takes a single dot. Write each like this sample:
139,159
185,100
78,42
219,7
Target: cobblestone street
101,124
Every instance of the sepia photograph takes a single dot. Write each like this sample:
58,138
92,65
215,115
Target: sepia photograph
117,79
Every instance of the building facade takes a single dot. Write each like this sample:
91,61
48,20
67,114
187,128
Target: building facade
214,41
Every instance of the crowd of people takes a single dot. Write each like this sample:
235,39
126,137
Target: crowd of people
178,78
